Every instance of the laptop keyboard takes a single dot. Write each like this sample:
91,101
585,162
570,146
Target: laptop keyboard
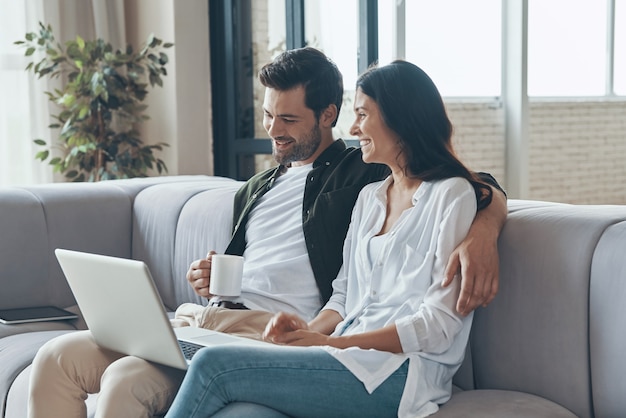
189,349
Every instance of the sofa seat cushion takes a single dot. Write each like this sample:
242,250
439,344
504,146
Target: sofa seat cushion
500,403
16,353
17,400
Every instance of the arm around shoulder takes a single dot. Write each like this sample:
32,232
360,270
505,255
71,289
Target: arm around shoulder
476,258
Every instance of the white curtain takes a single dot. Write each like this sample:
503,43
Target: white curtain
25,111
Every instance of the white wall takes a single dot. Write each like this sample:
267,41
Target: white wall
180,111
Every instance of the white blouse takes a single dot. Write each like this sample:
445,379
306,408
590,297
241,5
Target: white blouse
401,285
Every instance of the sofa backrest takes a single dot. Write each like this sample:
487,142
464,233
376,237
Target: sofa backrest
175,224
534,337
34,220
607,323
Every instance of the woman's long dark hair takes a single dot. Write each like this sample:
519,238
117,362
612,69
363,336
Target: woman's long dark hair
412,107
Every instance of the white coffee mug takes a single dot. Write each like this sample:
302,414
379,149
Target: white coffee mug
226,272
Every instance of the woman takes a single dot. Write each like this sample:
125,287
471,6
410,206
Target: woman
389,340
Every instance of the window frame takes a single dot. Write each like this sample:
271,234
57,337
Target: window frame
235,144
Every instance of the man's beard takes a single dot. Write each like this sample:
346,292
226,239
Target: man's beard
300,150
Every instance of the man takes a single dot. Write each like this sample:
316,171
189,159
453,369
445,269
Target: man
290,223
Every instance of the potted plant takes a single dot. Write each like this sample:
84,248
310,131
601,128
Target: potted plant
101,104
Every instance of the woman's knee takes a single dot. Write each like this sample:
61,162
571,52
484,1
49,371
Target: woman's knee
219,359
211,363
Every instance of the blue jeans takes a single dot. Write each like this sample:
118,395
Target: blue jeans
277,381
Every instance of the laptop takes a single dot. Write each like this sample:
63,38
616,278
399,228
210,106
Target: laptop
124,312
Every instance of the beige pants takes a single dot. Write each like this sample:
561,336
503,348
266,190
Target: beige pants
68,368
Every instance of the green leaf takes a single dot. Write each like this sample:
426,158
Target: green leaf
68,125
151,42
80,42
55,161
84,111
168,45
67,100
42,155
155,79
45,71
30,51
40,142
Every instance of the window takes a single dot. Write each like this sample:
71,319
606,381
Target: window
332,26
268,39
620,48
566,47
457,42
20,104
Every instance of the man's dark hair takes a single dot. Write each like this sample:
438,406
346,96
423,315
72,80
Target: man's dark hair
310,68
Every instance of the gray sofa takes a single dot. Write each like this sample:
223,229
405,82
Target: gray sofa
552,343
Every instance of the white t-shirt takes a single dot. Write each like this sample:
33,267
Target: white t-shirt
396,279
277,272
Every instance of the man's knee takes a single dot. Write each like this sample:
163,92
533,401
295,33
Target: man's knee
62,351
132,376
123,374
133,384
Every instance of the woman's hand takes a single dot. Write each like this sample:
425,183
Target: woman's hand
281,325
305,338
290,329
